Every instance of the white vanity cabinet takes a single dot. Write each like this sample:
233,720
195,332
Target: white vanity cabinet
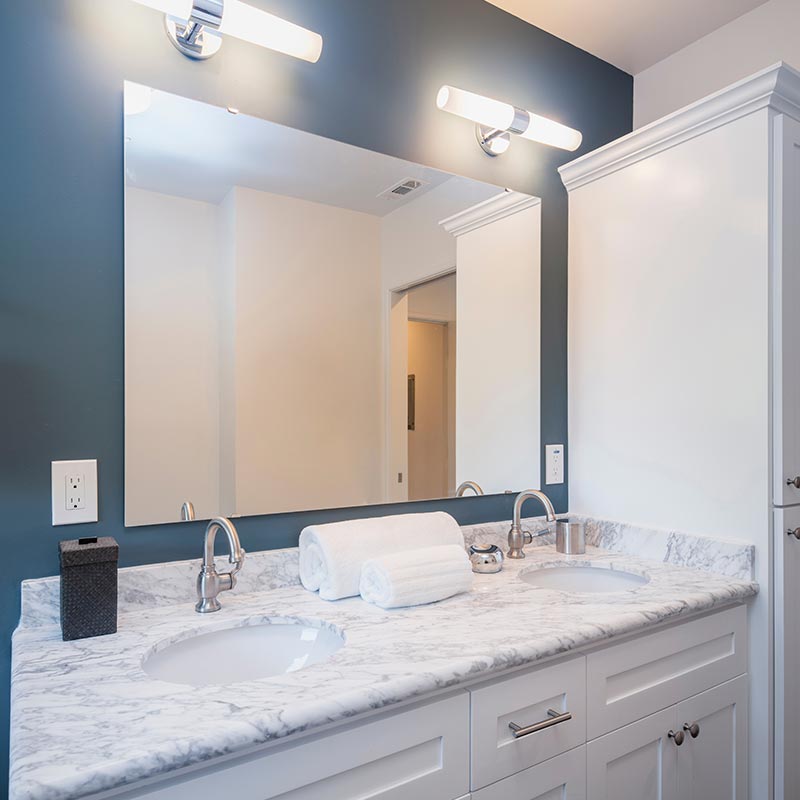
684,373
643,761
588,726
560,778
419,752
713,766
637,762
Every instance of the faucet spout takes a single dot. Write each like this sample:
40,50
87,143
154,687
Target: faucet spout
210,582
517,538
466,486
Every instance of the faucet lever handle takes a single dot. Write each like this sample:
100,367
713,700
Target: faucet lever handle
237,562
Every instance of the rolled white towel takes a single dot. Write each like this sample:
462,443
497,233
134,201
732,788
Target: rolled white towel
416,577
331,555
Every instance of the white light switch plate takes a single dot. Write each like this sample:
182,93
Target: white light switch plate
74,491
554,463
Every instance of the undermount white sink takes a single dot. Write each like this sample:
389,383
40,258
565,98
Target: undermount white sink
588,579
243,653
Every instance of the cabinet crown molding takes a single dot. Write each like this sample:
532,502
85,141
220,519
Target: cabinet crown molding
502,205
777,87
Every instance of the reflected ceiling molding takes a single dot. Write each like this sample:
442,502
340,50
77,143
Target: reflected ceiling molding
503,205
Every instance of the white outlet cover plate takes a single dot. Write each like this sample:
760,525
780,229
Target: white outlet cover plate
59,471
554,464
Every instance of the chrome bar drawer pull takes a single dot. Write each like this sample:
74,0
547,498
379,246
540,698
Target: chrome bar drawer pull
553,718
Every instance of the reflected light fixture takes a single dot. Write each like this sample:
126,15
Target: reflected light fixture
194,27
496,121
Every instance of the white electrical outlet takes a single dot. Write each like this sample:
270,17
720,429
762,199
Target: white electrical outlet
75,496
74,491
554,463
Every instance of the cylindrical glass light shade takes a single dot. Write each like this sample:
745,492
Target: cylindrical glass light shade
546,131
475,107
253,25
181,9
502,116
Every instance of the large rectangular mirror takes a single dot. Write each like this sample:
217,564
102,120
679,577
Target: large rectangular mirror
312,325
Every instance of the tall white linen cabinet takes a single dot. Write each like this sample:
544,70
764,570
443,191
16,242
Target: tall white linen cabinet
684,358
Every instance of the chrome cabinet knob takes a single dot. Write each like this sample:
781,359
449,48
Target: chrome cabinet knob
677,737
794,482
794,532
693,729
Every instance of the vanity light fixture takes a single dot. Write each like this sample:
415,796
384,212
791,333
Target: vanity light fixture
194,27
496,121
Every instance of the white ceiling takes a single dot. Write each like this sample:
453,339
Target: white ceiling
630,34
191,149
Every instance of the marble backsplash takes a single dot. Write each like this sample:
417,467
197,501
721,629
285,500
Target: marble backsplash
173,582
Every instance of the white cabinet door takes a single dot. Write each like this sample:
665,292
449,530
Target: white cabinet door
712,765
412,754
560,778
637,762
787,654
786,320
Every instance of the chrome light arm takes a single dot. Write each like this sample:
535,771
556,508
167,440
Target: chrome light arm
197,37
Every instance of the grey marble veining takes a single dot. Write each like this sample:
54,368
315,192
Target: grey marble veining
173,581
167,583
86,717
725,557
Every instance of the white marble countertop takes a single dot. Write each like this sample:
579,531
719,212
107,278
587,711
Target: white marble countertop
86,717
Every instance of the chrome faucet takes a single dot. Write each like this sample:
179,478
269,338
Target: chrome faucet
464,487
210,582
518,538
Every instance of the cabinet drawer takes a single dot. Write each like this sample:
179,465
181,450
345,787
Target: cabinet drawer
525,700
418,753
628,681
562,777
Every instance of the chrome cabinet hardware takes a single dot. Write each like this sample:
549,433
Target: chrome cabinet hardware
693,729
794,532
553,718
677,737
794,482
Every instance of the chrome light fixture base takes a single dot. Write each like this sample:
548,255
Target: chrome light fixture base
197,37
493,142
200,45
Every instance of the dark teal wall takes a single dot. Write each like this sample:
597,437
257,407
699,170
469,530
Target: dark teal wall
61,213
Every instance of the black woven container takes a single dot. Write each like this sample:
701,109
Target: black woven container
88,587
